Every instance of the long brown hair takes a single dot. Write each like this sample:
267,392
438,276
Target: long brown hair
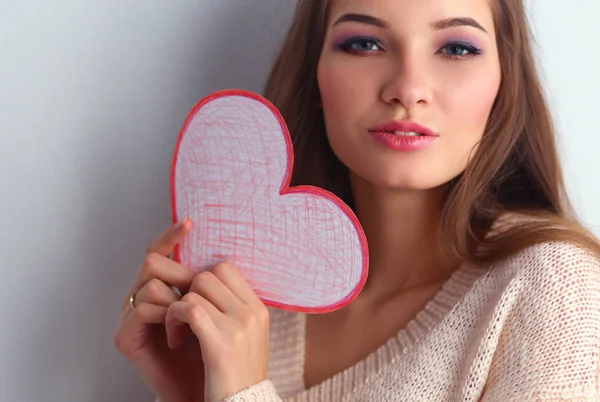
515,169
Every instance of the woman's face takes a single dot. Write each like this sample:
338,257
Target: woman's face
387,64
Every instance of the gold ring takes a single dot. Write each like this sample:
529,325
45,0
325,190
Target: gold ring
132,300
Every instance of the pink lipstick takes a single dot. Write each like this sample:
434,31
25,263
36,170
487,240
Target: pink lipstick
403,136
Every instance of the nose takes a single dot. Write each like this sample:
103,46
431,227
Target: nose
407,83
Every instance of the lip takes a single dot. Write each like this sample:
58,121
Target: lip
406,126
382,134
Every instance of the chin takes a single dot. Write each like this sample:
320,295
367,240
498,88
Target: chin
408,184
400,172
402,178
403,181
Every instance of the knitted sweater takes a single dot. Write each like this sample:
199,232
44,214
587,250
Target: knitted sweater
526,329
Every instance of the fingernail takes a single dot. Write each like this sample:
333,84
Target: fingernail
180,223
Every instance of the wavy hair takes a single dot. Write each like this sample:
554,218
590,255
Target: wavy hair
515,172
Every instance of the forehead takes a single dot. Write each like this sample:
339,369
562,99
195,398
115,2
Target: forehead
402,13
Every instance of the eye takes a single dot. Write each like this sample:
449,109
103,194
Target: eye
459,50
359,44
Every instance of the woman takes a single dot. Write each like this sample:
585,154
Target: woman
427,117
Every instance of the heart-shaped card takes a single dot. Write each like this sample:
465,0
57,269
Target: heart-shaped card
300,248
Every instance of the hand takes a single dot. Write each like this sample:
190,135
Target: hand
173,375
232,327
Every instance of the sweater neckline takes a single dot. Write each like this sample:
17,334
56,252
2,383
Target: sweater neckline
447,298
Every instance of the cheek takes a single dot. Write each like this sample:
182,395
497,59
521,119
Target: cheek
332,88
472,103
340,94
473,100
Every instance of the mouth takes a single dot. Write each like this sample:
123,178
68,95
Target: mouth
401,133
404,129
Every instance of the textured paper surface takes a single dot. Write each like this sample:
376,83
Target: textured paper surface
300,248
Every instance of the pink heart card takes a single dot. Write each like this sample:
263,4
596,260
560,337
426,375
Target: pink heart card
300,248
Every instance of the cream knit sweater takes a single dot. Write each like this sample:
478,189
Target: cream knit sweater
526,329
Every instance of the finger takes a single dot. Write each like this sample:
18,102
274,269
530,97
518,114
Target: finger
144,310
162,268
137,320
207,285
165,269
156,292
196,316
212,311
147,314
166,242
232,277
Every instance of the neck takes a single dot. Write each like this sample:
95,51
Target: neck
402,233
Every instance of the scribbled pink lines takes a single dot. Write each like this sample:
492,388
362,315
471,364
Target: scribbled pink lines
300,248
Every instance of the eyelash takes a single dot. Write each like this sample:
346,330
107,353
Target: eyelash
347,46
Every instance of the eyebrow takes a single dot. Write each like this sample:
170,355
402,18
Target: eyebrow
364,19
457,22
437,26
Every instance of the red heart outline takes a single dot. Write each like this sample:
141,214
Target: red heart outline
284,189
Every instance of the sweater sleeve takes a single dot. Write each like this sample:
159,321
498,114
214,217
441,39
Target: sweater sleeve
549,348
261,392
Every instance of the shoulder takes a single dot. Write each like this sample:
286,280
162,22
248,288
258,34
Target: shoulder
549,343
555,279
554,266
